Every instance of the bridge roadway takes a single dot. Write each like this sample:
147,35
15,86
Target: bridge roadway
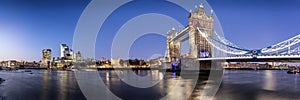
273,58
181,34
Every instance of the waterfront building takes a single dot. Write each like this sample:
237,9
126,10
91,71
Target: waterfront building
61,63
46,59
2,63
11,64
78,56
102,59
64,61
90,63
71,54
244,65
64,51
116,62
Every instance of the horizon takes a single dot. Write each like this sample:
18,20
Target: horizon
29,27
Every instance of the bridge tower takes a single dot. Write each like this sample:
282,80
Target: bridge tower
173,47
199,18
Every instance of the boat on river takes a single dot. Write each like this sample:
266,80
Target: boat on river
293,70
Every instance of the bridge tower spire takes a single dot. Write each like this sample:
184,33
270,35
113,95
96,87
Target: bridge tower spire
173,47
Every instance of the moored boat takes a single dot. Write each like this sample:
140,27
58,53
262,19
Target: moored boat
293,70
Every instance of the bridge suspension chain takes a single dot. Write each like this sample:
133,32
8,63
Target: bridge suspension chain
225,41
226,48
293,51
282,45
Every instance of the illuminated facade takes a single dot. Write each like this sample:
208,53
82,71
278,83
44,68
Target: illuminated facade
71,55
64,51
10,64
47,55
64,61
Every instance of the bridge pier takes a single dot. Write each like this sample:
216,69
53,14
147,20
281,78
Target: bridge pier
205,66
193,64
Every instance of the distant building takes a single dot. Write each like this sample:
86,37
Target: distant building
71,54
115,62
102,59
64,51
11,64
1,64
78,56
47,55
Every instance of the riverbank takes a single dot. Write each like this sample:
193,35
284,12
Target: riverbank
147,68
251,69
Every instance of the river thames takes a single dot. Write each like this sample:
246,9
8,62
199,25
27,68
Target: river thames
236,85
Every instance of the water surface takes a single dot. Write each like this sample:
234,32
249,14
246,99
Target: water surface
236,85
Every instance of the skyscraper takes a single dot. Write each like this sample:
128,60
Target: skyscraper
64,51
71,56
78,56
47,55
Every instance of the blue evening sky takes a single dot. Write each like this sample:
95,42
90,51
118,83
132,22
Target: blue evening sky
28,26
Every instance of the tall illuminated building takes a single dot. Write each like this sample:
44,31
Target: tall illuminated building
71,56
47,55
64,51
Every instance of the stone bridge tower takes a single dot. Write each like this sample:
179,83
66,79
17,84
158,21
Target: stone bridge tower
197,18
200,19
173,47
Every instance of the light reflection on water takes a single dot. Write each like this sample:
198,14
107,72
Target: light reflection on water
270,81
41,85
53,85
236,85
259,85
161,89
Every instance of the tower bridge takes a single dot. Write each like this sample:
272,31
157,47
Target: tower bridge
204,40
197,43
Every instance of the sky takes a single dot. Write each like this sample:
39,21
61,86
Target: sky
28,26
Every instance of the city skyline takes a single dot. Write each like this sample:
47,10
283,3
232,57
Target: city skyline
27,29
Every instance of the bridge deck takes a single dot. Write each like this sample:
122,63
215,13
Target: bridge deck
283,58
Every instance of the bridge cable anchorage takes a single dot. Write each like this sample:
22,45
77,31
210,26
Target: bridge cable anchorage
228,49
282,45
